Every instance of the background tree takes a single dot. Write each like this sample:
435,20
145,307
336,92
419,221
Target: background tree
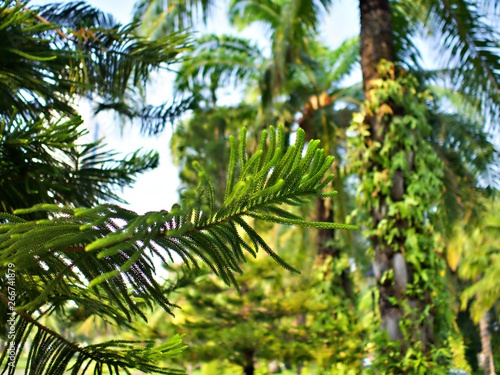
224,59
458,24
479,266
277,320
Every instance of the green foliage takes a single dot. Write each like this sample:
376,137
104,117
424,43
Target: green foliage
78,51
481,265
217,329
79,263
464,30
452,159
28,62
218,59
47,163
44,68
458,349
310,89
277,316
402,148
159,17
203,138
101,258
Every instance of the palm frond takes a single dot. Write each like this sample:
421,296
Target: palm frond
472,50
470,165
116,62
218,59
451,101
76,15
290,23
404,29
242,13
302,13
343,59
162,17
43,62
321,68
153,118
30,70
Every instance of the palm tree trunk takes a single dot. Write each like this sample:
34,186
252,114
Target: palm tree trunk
376,37
487,353
376,44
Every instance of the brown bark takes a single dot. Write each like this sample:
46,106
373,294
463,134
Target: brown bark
249,366
486,352
324,211
324,214
249,369
376,37
324,239
376,44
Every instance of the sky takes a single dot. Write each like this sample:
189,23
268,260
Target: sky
154,190
157,189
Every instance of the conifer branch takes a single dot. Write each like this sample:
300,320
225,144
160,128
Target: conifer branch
115,276
57,352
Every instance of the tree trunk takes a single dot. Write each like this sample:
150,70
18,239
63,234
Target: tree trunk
249,369
486,353
376,37
376,44
249,366
326,248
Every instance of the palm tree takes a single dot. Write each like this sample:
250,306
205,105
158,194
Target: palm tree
458,25
382,39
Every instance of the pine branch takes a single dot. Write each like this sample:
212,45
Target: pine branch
40,161
51,353
118,255
114,276
87,53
